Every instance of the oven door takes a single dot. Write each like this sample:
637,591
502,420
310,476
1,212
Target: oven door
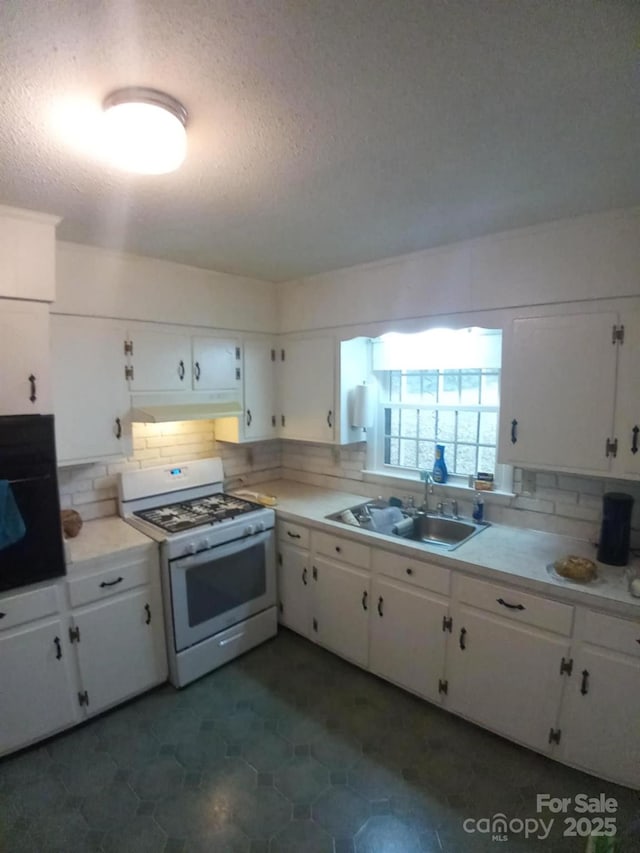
214,589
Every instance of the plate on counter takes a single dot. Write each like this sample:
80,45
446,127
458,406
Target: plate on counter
551,569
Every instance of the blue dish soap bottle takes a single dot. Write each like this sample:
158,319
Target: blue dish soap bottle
439,466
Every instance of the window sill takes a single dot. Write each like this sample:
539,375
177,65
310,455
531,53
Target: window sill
453,489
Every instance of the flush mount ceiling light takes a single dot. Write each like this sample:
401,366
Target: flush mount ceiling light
144,131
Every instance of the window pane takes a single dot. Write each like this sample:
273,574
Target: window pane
487,459
394,422
470,388
409,422
490,389
411,387
430,386
392,455
488,427
427,424
408,453
467,427
465,462
446,427
426,454
394,395
449,387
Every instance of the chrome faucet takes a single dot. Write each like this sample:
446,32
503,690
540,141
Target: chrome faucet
428,490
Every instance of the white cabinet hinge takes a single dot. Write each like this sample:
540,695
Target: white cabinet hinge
128,347
74,635
611,448
617,335
83,698
282,355
447,623
128,373
555,735
566,666
443,686
237,353
273,355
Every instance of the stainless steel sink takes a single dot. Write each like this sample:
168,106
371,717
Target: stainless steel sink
428,528
439,530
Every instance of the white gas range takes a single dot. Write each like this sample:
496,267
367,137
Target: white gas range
217,558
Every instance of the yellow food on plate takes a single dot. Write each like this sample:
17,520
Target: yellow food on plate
576,568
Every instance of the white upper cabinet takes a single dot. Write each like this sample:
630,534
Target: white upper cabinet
627,421
315,378
216,364
558,392
90,394
25,387
258,383
27,254
160,359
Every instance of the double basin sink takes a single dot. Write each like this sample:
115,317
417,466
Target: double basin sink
427,527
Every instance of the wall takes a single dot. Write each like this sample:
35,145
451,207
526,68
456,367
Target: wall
554,503
92,489
586,258
102,283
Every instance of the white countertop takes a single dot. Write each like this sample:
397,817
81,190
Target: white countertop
499,553
104,537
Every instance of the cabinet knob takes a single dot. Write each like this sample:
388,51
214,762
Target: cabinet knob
409,571
338,549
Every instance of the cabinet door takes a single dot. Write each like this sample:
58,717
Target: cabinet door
627,425
37,696
294,589
25,359
161,360
259,391
599,721
90,394
504,676
306,387
558,387
341,598
121,647
407,637
216,364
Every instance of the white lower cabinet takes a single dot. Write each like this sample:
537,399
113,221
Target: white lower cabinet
408,637
341,596
37,697
505,676
599,719
76,647
294,588
118,648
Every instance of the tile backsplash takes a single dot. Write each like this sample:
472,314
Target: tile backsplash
552,502
92,489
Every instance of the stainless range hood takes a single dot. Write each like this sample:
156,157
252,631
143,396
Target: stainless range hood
162,407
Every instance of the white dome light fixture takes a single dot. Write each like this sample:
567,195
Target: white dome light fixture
144,131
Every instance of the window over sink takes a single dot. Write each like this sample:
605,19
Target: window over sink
437,387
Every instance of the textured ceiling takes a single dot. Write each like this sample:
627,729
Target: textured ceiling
324,133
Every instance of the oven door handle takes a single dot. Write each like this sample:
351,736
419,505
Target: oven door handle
220,551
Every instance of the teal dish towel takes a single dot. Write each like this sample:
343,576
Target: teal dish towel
12,527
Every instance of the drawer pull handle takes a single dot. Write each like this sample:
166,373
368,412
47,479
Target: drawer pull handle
196,371
111,583
181,370
510,606
380,604
58,646
514,431
365,596
293,535
227,640
634,443
409,571
584,688
463,638
148,612
330,419
32,382
338,549
304,576
118,428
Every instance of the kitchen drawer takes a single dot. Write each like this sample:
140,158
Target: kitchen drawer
342,549
99,585
611,632
516,605
21,607
424,575
294,534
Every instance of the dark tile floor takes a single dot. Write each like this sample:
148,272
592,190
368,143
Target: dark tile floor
286,750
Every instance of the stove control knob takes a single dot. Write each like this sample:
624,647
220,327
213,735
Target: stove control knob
205,544
260,526
190,548
249,530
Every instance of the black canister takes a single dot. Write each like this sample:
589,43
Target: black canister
616,529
